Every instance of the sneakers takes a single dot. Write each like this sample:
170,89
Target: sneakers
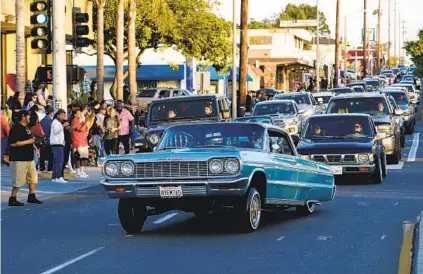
14,202
33,200
60,180
82,175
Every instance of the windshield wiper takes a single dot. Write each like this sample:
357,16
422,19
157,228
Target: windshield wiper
204,146
318,137
169,148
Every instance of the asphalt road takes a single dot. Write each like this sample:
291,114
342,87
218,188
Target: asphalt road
359,232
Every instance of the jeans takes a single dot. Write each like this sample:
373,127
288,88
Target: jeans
110,146
67,152
124,139
3,147
58,158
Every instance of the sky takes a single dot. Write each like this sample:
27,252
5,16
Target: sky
411,11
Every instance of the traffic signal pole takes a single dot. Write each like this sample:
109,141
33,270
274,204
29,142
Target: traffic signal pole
59,55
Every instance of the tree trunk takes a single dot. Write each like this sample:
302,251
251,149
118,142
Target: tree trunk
132,66
337,38
20,45
244,53
100,49
119,49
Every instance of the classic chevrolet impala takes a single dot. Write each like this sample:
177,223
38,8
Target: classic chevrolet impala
241,168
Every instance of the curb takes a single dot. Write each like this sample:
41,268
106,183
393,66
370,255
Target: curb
418,244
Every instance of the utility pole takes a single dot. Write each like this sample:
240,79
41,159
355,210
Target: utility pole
389,33
365,39
399,38
378,39
395,32
234,78
403,40
318,47
345,49
337,40
59,55
244,52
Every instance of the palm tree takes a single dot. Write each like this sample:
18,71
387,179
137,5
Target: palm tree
119,49
132,51
20,45
100,48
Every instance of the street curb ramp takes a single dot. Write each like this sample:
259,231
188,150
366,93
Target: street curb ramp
417,263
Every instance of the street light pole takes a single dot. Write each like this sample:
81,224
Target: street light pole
365,39
337,40
378,39
318,48
234,79
345,49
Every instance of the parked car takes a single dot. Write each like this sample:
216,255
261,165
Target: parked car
378,106
348,143
284,113
147,95
164,113
304,100
237,167
404,102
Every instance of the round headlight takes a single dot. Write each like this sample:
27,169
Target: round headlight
154,138
363,157
112,169
232,166
127,168
216,166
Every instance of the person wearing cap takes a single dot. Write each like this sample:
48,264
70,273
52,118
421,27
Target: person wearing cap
46,152
57,143
22,165
126,124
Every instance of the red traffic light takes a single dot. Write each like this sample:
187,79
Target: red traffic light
39,6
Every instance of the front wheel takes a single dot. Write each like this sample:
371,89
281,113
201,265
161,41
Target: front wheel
377,176
251,215
132,215
403,140
384,166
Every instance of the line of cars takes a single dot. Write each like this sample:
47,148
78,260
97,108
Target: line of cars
287,154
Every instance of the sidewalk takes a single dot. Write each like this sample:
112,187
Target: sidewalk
418,247
45,188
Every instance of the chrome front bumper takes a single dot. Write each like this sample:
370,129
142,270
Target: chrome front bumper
198,188
389,145
367,168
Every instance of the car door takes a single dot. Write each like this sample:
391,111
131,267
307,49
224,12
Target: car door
284,185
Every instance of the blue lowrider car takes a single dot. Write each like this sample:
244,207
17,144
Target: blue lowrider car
237,167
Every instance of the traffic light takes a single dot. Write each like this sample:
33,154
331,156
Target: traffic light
81,29
40,26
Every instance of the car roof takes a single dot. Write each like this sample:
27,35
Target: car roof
323,93
340,88
253,117
277,101
359,95
292,94
340,115
394,91
184,98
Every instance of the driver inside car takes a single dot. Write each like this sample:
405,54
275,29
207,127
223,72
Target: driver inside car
208,110
171,114
380,107
358,129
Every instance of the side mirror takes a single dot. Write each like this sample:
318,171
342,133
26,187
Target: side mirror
320,100
398,112
226,114
275,148
381,135
295,139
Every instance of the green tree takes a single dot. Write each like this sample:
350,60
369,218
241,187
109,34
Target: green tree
415,50
189,26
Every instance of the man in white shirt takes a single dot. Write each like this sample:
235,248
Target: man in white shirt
57,143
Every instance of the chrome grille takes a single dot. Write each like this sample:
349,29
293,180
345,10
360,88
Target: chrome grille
153,191
172,169
337,158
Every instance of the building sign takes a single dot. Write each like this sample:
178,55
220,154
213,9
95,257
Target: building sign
298,23
371,34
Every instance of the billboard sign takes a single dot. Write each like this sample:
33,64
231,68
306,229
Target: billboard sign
298,23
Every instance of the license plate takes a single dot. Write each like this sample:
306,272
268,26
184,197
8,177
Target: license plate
170,191
336,170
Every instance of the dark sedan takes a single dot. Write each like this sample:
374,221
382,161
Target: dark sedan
348,143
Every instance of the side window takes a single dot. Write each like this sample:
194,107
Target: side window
178,93
313,100
164,93
373,127
279,143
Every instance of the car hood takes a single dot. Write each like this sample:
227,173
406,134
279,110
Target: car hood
186,154
305,106
381,119
163,126
342,146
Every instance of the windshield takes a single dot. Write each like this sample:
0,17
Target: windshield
337,128
274,108
400,98
358,89
213,135
147,93
179,110
298,98
252,119
410,88
341,91
369,105
373,83
408,78
325,99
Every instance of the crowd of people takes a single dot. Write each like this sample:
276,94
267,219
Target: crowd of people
41,139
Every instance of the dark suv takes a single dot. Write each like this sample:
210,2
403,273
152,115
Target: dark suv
167,112
384,116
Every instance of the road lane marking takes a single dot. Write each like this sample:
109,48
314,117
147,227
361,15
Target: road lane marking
280,238
165,218
414,147
400,165
83,256
406,247
383,237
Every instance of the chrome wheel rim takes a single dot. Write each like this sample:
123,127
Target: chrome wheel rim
310,207
255,211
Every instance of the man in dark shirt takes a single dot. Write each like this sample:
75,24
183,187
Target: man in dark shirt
22,163
46,152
